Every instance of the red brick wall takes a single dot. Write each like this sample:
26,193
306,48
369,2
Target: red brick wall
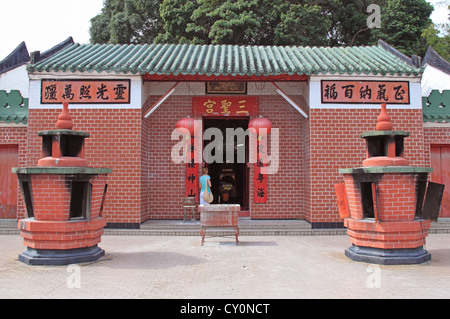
16,135
309,169
397,199
165,179
286,189
51,202
336,143
145,184
114,142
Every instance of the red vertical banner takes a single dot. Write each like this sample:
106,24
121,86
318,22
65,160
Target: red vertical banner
260,170
191,177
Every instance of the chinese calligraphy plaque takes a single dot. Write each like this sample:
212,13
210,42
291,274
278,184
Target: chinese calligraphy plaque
85,91
225,106
365,92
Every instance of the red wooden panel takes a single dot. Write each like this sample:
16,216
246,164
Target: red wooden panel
440,162
8,182
342,201
436,164
445,179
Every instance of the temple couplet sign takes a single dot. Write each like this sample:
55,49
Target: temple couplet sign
191,171
85,91
225,105
261,190
365,92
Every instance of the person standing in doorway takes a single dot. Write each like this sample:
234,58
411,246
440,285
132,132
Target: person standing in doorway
205,182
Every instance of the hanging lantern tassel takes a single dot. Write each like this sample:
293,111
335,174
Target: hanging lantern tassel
262,128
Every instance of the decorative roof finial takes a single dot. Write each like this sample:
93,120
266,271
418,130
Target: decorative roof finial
64,119
384,121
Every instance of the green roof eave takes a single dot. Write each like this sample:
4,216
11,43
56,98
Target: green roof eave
224,60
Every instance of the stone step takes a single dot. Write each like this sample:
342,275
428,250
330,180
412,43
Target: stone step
246,228
243,224
440,227
441,222
192,228
8,227
242,232
8,223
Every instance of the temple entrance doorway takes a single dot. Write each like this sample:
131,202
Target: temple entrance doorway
229,177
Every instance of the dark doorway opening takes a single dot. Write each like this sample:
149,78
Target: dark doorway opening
230,172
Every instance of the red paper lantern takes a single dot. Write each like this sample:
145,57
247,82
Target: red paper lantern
260,123
186,123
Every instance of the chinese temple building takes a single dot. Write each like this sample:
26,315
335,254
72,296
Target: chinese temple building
316,100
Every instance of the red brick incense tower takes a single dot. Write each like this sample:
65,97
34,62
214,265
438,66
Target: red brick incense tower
382,202
64,200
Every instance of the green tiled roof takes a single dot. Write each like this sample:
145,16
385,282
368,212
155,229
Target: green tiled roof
436,107
13,107
234,60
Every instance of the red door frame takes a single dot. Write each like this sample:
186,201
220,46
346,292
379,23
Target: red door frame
9,158
440,162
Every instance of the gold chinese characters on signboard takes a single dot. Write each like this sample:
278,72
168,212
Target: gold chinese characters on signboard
225,105
365,92
85,91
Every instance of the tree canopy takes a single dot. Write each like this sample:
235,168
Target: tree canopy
438,36
127,21
405,24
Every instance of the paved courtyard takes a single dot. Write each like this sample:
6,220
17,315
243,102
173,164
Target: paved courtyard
260,267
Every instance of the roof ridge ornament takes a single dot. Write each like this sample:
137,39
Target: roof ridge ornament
64,119
384,121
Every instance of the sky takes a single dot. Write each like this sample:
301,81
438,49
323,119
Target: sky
43,24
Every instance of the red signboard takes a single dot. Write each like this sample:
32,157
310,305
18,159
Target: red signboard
85,91
191,177
191,189
225,106
365,92
260,185
261,178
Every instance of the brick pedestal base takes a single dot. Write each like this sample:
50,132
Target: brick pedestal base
48,257
61,242
384,226
387,243
388,256
64,207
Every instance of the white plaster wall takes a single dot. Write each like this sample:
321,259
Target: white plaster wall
16,79
434,79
